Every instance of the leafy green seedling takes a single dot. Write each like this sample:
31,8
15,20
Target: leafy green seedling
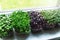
5,25
21,21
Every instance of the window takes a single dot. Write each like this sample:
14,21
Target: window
12,4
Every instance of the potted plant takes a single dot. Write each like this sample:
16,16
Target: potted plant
21,22
52,17
5,26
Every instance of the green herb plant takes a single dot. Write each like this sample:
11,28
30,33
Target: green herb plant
5,25
21,22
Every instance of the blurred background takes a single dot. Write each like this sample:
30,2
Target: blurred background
14,4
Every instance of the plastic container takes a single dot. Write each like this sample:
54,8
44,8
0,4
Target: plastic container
44,35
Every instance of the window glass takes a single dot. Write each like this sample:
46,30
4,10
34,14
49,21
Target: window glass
12,4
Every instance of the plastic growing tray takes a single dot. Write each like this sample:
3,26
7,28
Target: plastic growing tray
44,35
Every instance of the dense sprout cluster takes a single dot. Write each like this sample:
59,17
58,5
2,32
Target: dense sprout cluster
52,17
21,21
37,21
5,26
